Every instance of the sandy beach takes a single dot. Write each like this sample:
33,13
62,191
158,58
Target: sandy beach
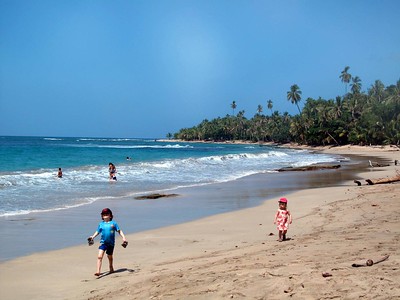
236,255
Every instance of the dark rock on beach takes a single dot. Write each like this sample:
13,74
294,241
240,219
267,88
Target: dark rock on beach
309,168
155,196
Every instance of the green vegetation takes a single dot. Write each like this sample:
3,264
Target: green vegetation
362,118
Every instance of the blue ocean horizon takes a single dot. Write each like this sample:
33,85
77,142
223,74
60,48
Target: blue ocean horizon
29,165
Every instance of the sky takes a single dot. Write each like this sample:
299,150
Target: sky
143,69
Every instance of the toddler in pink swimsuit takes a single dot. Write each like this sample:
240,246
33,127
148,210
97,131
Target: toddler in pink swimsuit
282,219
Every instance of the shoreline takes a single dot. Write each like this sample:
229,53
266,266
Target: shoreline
193,203
327,149
232,255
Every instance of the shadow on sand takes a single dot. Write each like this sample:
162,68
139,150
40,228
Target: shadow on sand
122,270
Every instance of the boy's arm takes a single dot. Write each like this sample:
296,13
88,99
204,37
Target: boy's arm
122,235
91,238
125,243
94,235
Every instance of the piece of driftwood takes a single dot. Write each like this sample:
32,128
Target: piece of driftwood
370,262
383,180
375,164
358,182
155,196
309,168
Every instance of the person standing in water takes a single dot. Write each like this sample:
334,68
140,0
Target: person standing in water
112,170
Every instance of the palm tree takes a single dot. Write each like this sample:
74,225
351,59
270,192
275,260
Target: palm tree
393,93
241,123
294,95
336,107
346,77
269,105
233,106
259,109
356,85
377,90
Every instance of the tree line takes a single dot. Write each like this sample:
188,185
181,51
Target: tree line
357,117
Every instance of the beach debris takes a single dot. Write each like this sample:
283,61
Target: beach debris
384,180
326,274
288,290
370,262
375,164
271,233
380,180
309,168
155,196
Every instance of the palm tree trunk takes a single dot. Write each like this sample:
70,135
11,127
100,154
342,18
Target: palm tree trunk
332,138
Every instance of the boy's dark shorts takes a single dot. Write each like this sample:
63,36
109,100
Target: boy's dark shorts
108,248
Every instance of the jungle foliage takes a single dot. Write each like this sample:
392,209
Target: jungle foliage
361,118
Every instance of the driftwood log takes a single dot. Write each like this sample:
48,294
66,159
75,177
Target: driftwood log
155,196
370,262
383,180
309,168
375,164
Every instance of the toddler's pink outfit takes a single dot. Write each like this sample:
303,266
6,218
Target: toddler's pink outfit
282,220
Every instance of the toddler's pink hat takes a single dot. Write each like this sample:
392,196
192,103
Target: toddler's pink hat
283,200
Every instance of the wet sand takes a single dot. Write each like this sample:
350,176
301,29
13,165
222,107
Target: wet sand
236,254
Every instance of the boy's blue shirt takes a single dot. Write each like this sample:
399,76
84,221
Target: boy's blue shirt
107,231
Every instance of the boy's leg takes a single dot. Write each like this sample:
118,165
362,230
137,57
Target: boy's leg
280,235
110,261
284,235
99,261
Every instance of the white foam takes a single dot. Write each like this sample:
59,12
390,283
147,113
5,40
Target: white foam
45,192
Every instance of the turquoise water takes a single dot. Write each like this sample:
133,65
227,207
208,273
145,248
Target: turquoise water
28,168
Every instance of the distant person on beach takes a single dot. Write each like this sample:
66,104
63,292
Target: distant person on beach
128,158
283,218
113,171
59,173
107,229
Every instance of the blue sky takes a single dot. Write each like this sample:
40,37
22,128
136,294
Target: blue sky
145,68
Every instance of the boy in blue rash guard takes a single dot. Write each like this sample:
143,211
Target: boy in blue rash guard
107,229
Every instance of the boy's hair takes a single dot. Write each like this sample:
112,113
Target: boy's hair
106,211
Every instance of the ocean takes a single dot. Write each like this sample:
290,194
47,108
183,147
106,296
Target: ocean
41,212
29,165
